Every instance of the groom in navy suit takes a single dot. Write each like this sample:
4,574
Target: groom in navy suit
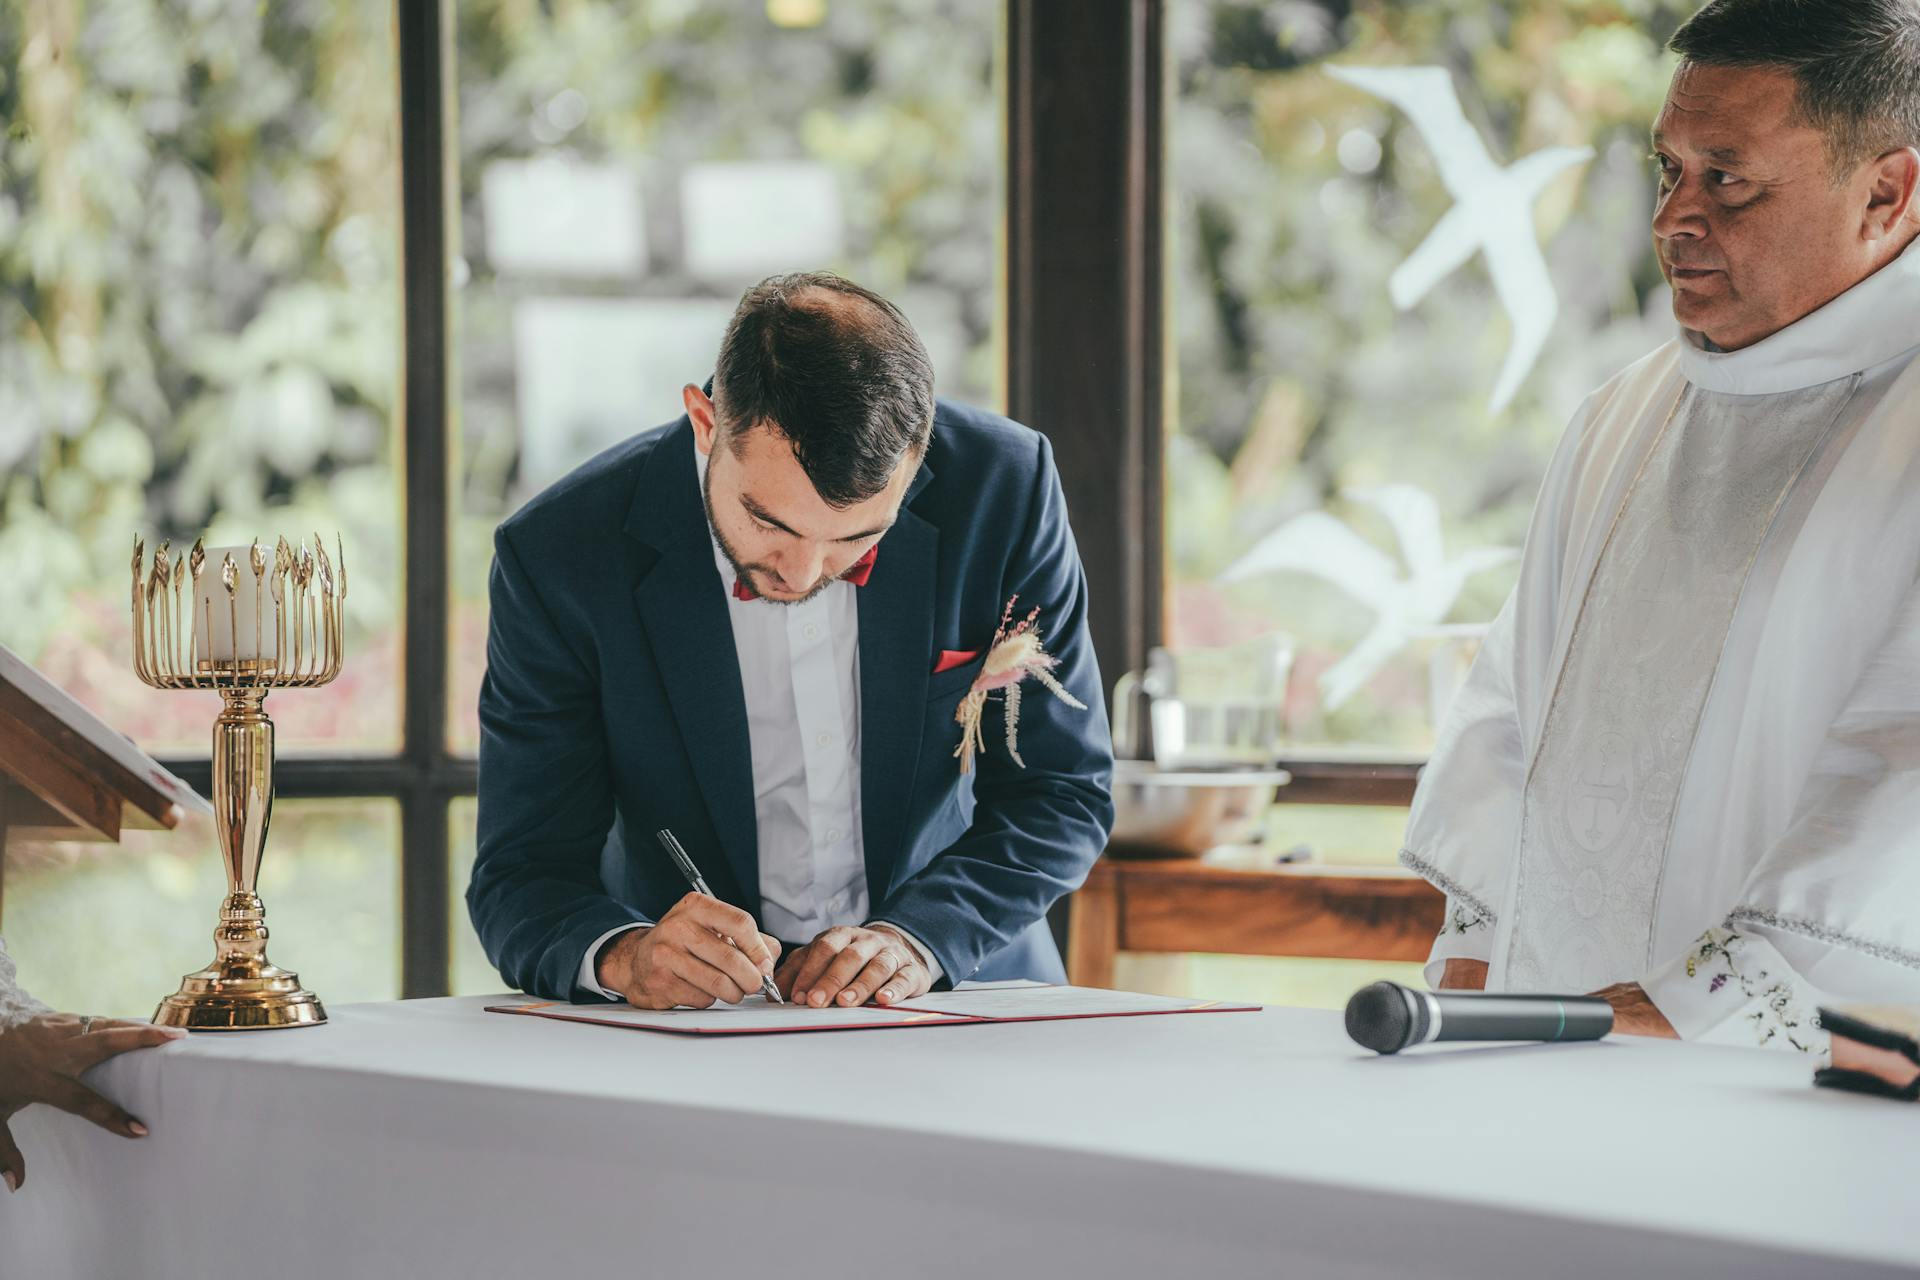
753,627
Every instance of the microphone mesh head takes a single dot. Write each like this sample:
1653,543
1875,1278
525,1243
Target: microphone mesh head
1377,1018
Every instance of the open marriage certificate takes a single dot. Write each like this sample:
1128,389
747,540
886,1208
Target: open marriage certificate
969,1005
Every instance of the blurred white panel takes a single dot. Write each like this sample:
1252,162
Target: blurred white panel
561,217
935,316
593,371
748,220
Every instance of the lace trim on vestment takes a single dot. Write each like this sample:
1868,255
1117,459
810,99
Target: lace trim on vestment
16,1006
1824,933
1445,883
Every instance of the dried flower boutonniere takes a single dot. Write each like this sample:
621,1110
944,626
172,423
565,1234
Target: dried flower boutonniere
1014,655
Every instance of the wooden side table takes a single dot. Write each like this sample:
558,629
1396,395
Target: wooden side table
1240,902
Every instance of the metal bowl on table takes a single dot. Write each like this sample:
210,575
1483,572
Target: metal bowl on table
1184,813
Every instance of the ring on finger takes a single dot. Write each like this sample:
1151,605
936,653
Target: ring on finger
86,1023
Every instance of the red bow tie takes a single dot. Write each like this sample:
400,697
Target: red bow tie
857,573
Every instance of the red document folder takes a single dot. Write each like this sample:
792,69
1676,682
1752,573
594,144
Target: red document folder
975,1006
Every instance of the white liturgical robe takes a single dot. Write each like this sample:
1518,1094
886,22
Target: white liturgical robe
1688,754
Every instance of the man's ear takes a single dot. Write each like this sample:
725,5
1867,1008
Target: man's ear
1892,183
700,411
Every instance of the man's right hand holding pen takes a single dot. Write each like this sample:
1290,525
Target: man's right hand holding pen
685,960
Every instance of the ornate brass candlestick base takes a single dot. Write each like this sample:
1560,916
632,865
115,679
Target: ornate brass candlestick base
241,990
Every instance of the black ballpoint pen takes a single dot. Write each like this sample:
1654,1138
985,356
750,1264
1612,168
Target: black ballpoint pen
699,883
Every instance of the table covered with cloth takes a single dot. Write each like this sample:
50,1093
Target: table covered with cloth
429,1138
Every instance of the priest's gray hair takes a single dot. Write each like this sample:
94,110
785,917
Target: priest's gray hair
1856,62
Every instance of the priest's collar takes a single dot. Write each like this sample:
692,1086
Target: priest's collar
1868,325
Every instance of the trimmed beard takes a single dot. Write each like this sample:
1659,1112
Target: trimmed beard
744,572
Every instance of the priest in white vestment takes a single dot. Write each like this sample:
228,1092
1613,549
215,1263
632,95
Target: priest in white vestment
1685,771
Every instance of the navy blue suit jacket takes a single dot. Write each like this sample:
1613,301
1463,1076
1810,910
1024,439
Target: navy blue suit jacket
612,707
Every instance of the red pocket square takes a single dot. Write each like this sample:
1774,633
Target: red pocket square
951,658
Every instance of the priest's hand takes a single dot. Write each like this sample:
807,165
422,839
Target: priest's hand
1464,975
42,1059
686,958
848,965
1634,1014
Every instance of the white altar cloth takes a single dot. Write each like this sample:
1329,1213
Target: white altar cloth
429,1139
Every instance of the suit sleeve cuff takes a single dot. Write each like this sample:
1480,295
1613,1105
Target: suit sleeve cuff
589,976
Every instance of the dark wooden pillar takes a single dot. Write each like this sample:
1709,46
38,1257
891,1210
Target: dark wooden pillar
424,30
1085,355
1084,293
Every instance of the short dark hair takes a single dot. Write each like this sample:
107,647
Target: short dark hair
1856,64
835,369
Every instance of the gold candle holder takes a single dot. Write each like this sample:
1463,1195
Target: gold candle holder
245,628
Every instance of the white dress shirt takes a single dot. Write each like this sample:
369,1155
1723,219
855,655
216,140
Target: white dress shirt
800,672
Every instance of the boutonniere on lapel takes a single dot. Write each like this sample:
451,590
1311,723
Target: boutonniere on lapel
1014,655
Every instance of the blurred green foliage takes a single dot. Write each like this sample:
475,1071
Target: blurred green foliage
1293,198
198,321
897,99
198,332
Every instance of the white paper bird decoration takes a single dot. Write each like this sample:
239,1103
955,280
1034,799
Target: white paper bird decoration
1405,602
1492,212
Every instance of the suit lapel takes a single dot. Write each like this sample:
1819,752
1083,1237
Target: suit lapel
896,644
683,609
682,606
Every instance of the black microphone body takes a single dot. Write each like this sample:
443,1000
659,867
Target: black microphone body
1387,1017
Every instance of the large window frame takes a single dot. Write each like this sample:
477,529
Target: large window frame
424,776
1085,350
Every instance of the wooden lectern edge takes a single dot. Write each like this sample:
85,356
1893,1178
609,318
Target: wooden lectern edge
139,819
80,743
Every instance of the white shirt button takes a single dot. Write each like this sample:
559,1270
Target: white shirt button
810,631
833,833
825,739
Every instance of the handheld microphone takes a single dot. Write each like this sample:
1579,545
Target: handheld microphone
1387,1017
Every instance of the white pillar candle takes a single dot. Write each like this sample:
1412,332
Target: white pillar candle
226,633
